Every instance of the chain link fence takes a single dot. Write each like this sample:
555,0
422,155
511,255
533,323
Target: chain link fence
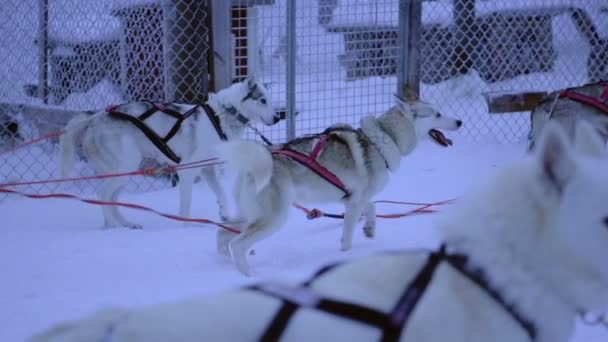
477,47
62,56
347,54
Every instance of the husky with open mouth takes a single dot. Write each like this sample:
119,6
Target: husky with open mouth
341,164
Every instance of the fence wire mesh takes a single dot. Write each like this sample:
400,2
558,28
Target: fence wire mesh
66,55
60,57
491,46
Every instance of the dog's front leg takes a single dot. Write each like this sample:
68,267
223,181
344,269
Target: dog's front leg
211,177
186,179
352,212
369,229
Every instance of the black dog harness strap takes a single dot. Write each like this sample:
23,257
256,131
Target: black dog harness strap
392,323
215,121
160,142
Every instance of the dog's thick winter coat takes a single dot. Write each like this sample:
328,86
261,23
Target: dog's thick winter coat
538,231
114,145
361,159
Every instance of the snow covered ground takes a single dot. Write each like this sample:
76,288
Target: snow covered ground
56,263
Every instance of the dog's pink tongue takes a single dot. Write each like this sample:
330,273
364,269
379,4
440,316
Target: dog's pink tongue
440,138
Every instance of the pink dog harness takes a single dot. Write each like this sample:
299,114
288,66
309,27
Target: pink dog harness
599,103
311,162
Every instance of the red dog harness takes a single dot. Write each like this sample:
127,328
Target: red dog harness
599,103
311,162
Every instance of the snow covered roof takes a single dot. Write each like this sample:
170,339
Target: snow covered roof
385,12
84,27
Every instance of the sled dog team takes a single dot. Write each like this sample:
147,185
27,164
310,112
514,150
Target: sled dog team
522,254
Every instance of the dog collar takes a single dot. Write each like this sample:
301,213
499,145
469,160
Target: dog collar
240,117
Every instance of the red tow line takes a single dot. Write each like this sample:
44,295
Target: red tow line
146,172
120,204
423,208
27,143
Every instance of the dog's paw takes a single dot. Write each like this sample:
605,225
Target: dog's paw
369,231
243,268
134,226
345,245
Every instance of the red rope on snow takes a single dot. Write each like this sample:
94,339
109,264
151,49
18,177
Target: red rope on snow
27,143
424,208
120,204
147,172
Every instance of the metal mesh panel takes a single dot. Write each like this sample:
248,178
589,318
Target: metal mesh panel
60,57
66,55
347,54
507,46
345,58
259,43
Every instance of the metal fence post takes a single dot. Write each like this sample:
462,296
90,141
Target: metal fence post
221,54
43,51
410,29
188,67
464,20
291,69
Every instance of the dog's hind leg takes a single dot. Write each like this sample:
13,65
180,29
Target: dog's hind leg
352,213
241,244
107,161
369,228
210,175
117,214
223,239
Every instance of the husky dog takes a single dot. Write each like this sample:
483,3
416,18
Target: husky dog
523,255
115,145
340,164
588,102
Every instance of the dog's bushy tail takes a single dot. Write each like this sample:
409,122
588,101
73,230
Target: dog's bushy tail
67,142
248,157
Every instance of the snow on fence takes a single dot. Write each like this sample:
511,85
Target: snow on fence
328,60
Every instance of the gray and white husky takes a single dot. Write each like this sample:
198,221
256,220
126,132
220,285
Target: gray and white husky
525,254
358,162
114,145
588,102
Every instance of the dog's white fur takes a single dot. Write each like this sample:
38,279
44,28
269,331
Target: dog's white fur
269,184
538,230
114,146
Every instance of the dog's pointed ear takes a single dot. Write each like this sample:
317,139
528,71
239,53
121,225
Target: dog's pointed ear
251,81
555,156
404,104
587,140
410,95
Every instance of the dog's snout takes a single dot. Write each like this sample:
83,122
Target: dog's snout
458,123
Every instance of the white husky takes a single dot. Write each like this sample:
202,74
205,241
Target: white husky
525,254
340,164
115,145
